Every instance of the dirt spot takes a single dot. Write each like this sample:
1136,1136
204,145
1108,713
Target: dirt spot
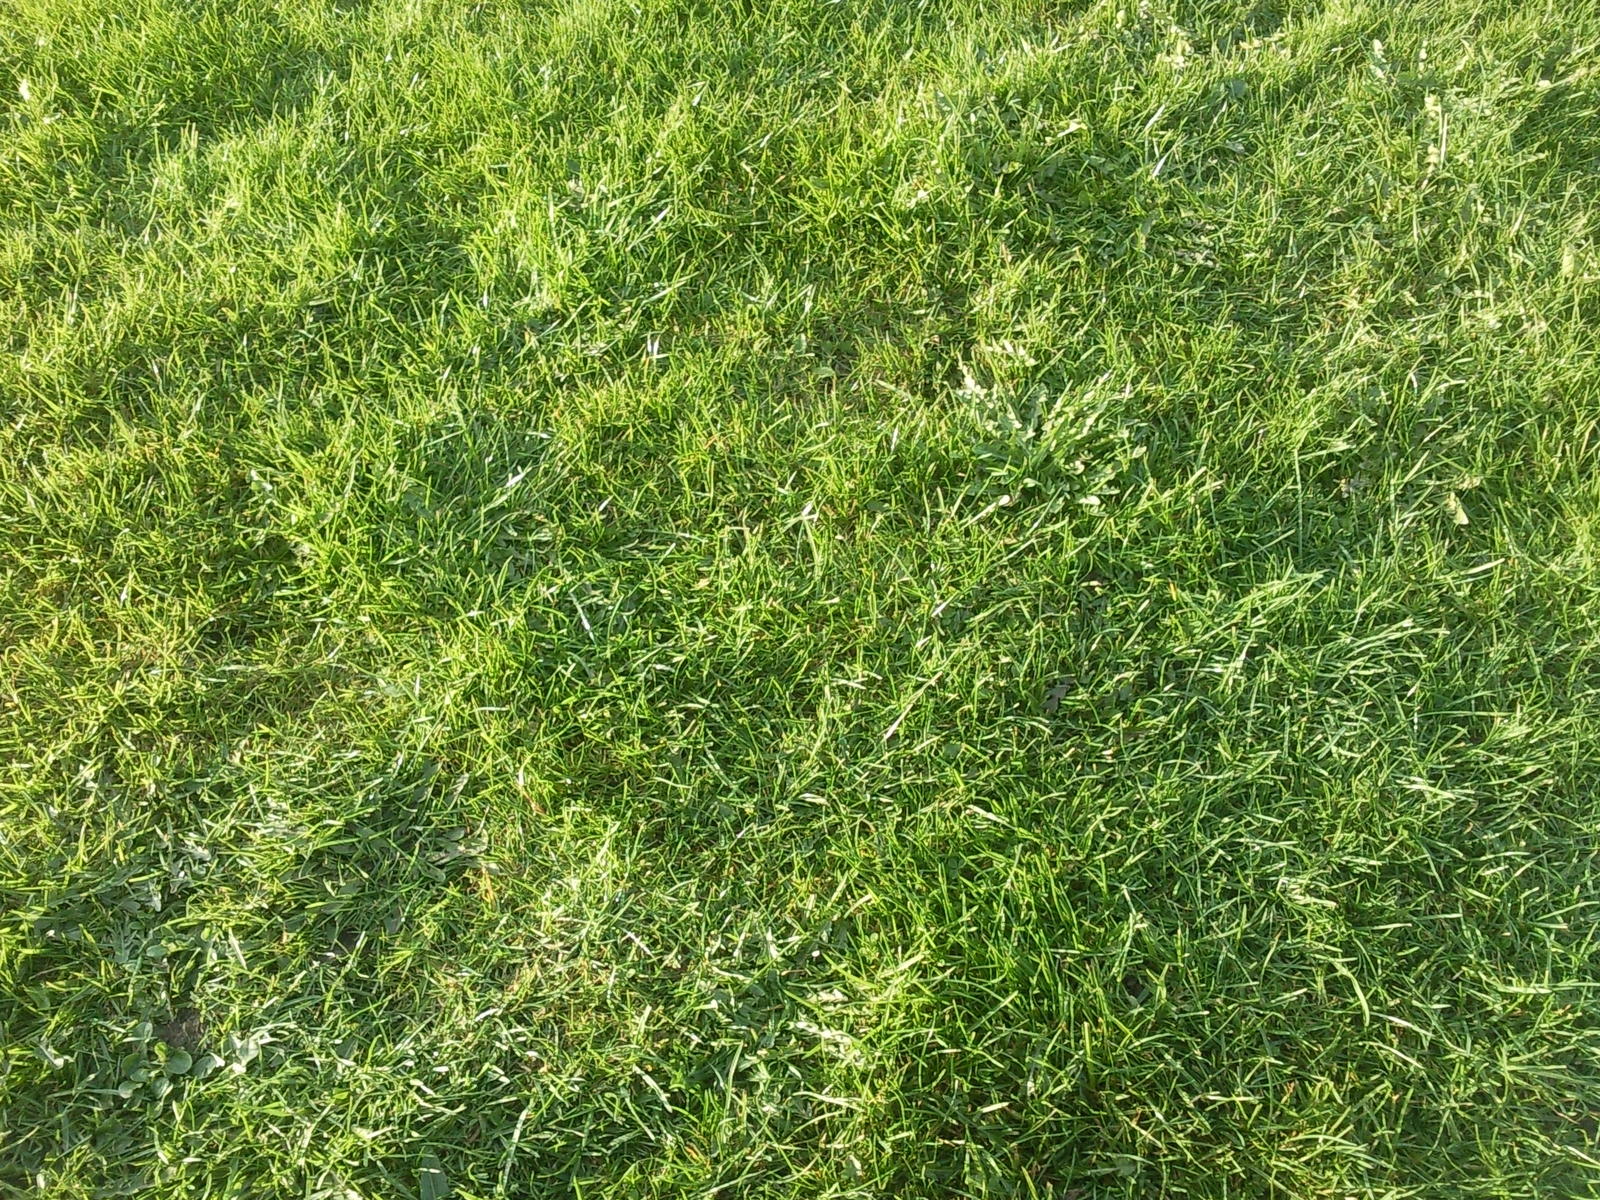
184,1031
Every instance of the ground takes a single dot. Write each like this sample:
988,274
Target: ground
790,598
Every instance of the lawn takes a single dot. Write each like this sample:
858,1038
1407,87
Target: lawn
790,598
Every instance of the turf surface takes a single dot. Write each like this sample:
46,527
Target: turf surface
799,599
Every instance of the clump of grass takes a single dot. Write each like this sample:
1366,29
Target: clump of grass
799,599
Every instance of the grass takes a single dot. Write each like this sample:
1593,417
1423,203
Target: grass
799,599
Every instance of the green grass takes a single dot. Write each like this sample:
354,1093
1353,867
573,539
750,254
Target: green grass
799,599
